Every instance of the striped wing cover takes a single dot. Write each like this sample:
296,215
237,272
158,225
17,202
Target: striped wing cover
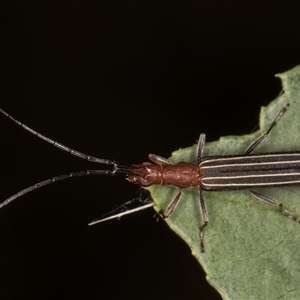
251,171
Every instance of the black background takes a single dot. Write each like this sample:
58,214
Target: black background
121,80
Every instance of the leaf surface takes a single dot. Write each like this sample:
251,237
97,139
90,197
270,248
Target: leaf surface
251,250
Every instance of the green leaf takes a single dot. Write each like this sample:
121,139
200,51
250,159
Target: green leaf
251,250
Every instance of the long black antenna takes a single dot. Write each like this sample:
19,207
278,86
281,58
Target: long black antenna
53,180
117,168
59,145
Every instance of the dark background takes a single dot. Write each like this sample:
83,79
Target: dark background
121,80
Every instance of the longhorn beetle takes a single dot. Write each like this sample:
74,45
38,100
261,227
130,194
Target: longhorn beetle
210,173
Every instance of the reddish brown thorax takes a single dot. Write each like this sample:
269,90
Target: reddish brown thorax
182,175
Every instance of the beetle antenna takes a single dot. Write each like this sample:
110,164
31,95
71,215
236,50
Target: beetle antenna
117,168
53,180
59,145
